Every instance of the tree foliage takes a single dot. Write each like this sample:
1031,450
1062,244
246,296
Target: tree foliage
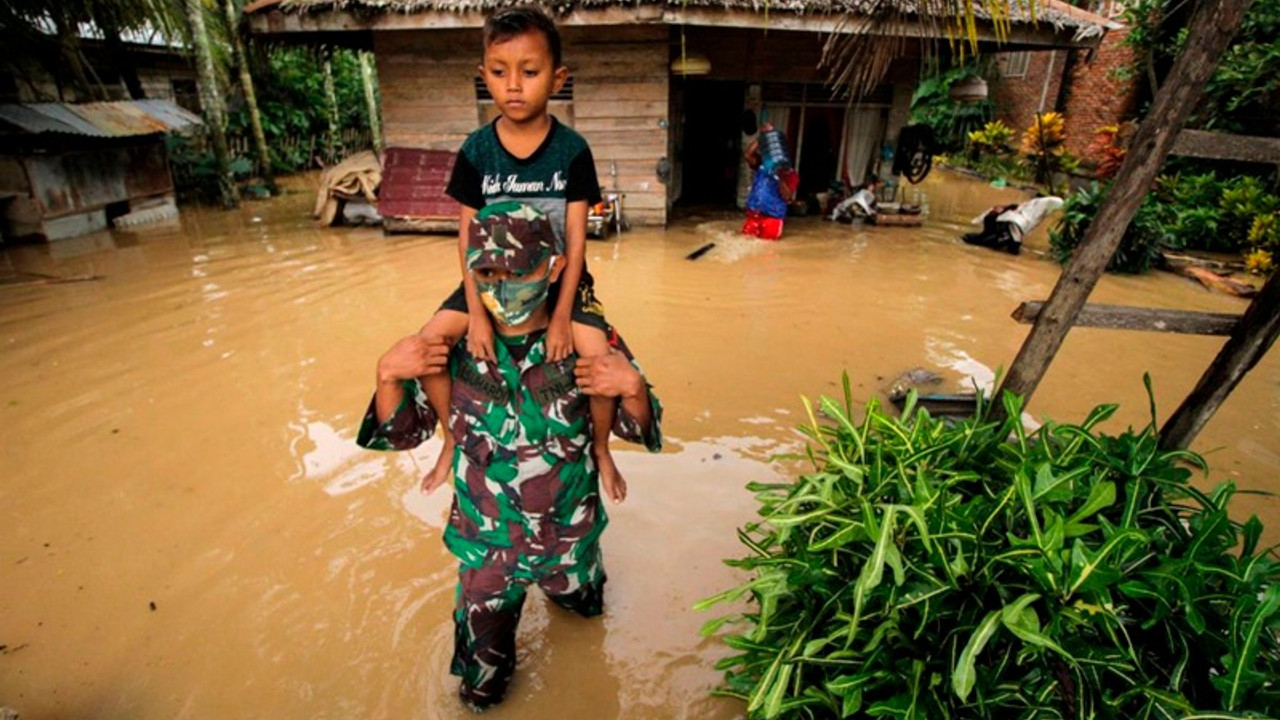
290,89
1244,92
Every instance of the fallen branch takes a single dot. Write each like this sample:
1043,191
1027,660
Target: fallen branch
1215,281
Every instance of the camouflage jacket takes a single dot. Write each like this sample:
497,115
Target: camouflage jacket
524,475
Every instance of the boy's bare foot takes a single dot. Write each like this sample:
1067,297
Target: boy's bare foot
444,465
611,481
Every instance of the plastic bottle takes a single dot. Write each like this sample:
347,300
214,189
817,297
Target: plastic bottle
773,151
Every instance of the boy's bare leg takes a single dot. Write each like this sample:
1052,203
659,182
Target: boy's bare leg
450,325
590,342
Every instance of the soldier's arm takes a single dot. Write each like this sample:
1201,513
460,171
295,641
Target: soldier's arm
399,416
639,418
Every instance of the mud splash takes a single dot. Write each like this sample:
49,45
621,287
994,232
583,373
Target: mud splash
191,533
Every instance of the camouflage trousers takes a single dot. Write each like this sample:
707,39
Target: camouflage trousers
489,601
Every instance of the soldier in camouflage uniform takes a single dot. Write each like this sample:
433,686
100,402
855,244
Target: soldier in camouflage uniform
527,507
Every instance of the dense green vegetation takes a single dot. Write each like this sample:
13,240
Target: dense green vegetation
289,84
1191,212
1243,94
951,121
933,569
1198,204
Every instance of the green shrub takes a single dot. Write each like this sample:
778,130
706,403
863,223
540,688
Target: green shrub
993,139
195,169
1183,212
1139,249
933,569
1243,200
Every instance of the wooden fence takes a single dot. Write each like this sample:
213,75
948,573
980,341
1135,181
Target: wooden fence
313,147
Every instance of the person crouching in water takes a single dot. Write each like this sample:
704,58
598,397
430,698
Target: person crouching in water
1004,226
861,204
526,506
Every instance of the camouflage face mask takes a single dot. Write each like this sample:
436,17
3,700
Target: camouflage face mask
514,300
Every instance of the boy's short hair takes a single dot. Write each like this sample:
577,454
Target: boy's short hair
515,21
509,236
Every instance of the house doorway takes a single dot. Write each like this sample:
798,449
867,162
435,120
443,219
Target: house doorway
711,141
819,141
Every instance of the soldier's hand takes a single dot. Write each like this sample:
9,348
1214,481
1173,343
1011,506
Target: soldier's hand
608,375
413,356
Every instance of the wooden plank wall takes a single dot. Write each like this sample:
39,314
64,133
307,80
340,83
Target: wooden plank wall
427,84
620,98
620,107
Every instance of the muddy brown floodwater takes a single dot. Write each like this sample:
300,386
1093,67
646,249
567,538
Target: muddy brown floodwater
189,530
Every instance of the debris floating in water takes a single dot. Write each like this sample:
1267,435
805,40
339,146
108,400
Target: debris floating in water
33,278
699,252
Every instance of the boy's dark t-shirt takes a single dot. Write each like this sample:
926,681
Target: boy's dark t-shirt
559,172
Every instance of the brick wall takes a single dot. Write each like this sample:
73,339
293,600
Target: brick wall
1097,97
1018,98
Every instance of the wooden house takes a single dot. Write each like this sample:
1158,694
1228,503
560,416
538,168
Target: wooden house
67,169
667,93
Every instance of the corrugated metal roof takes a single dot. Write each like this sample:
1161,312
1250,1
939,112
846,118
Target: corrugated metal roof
125,118
25,117
175,116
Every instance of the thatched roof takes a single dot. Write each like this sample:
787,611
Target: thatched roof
1055,13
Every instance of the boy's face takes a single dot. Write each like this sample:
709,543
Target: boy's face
519,74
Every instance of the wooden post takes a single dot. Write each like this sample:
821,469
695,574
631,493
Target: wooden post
1253,336
1212,25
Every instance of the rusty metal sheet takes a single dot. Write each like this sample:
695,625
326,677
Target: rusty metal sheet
147,171
118,119
170,113
413,184
126,118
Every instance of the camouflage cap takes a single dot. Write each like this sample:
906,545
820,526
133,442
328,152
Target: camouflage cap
509,236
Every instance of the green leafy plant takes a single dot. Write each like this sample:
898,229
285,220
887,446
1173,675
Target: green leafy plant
992,139
951,121
933,569
1044,143
1139,249
1243,200
195,171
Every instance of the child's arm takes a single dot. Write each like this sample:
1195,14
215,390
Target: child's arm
559,334
479,329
